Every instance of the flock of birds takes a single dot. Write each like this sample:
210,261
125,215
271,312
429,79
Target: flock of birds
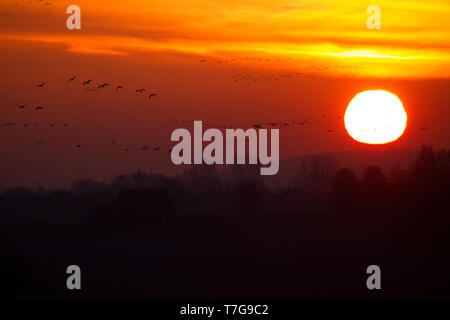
89,86
45,3
264,125
275,77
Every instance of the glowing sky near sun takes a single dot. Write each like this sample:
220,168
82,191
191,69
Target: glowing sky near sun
320,32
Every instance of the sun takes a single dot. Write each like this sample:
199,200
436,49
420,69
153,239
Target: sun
375,117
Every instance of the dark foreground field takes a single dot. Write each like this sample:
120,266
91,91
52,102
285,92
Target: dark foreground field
199,236
308,256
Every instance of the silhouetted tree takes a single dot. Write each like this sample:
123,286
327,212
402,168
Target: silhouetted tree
443,162
374,178
344,187
314,174
396,175
120,182
19,191
138,179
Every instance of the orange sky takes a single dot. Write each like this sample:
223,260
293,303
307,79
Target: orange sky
321,32
158,45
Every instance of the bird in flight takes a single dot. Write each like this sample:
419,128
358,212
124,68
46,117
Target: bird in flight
257,126
118,87
157,148
329,131
39,108
42,84
140,90
113,142
71,79
103,85
21,106
144,148
52,125
152,95
85,83
79,145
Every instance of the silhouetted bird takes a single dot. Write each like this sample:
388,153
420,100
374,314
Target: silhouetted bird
257,126
87,82
39,108
144,148
103,85
118,87
71,79
157,148
21,106
79,145
42,84
140,90
113,142
329,131
152,95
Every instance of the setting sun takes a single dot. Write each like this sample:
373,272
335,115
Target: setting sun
375,117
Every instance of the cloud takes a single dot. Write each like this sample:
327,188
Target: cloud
87,50
314,28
